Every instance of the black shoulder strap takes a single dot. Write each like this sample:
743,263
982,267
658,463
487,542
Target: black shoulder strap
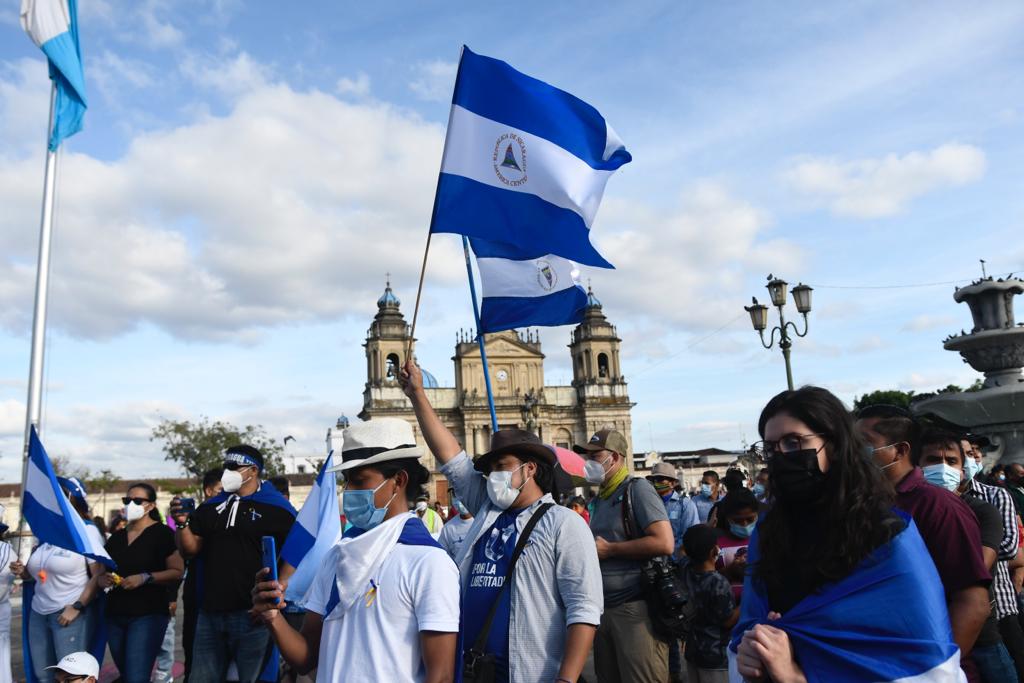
627,510
481,639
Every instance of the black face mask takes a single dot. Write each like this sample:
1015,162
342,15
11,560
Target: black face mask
795,477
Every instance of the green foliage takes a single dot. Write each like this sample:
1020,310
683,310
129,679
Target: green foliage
106,480
199,446
892,397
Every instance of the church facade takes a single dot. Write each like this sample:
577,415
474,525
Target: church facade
559,415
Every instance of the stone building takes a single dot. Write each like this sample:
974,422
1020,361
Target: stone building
560,415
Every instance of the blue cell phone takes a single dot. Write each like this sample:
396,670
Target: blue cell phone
270,558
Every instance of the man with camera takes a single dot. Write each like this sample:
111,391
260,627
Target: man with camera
226,535
630,528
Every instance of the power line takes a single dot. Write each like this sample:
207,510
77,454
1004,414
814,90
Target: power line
945,283
692,344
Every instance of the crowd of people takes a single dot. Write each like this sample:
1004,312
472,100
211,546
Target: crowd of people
870,546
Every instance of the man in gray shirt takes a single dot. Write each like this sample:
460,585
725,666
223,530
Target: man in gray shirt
626,648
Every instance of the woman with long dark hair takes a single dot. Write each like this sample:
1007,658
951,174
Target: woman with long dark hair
841,586
137,606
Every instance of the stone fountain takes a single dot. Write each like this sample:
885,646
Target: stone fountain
995,347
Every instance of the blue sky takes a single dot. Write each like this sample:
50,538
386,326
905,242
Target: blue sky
249,172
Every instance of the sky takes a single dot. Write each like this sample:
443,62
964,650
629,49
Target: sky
248,174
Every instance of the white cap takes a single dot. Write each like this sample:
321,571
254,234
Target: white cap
78,664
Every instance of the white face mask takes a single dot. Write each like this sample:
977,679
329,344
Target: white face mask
593,471
232,480
421,506
500,490
133,512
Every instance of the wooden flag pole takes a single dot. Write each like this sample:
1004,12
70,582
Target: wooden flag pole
419,292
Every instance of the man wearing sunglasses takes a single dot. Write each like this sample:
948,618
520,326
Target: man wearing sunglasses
77,667
949,528
226,535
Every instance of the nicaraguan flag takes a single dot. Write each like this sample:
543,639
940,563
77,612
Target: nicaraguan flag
315,531
49,512
886,621
53,27
525,164
524,292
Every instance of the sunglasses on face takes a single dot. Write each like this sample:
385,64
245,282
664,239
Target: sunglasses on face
137,501
234,466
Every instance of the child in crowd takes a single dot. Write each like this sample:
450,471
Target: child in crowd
716,610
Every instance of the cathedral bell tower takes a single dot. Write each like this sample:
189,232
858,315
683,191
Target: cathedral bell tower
595,349
386,342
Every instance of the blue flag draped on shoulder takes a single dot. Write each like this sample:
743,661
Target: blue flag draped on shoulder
49,512
315,531
525,164
523,292
53,27
849,630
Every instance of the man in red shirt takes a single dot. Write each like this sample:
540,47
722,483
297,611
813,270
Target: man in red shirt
947,525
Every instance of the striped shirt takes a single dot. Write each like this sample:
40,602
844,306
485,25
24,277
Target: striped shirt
1003,592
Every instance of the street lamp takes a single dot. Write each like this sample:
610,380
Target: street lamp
759,318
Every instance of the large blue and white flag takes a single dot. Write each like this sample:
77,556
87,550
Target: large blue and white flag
315,531
524,292
49,512
53,27
885,621
525,164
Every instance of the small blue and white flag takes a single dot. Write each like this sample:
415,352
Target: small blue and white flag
49,512
53,27
525,292
525,164
315,531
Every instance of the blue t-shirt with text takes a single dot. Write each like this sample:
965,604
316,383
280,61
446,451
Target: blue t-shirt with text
491,557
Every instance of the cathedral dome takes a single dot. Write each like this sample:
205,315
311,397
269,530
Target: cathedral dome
429,381
388,298
592,300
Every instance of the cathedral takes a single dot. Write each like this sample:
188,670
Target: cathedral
560,415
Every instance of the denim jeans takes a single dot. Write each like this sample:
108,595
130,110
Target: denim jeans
994,663
165,659
49,641
134,643
223,637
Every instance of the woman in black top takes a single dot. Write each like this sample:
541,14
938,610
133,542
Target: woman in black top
147,563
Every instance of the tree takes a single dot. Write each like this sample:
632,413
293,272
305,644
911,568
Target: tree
63,467
891,397
106,480
199,447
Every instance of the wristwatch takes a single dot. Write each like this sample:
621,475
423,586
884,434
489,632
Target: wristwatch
146,578
78,606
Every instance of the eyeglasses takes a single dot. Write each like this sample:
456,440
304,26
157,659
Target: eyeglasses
234,466
790,443
137,501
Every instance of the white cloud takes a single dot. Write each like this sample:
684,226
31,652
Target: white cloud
927,321
872,188
288,208
358,86
434,80
687,266
232,76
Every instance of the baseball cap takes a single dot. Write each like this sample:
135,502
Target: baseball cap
78,664
604,440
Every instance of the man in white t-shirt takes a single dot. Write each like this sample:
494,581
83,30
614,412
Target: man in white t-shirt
384,607
455,530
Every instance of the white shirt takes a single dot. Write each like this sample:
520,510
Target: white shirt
66,574
454,533
378,641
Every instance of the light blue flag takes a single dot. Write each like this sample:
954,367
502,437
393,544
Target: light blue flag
53,27
526,292
525,164
49,512
315,531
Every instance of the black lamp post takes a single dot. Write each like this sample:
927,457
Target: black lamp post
759,318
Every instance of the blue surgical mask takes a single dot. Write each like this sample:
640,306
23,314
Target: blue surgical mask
741,530
361,511
758,490
705,490
971,468
942,475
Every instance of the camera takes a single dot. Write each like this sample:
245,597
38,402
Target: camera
662,579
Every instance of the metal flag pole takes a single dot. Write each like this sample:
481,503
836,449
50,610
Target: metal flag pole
480,335
33,413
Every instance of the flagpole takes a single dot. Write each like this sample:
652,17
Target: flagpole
480,336
33,413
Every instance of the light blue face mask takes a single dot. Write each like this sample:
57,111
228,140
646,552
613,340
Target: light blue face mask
971,468
360,509
942,475
705,489
741,530
758,490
